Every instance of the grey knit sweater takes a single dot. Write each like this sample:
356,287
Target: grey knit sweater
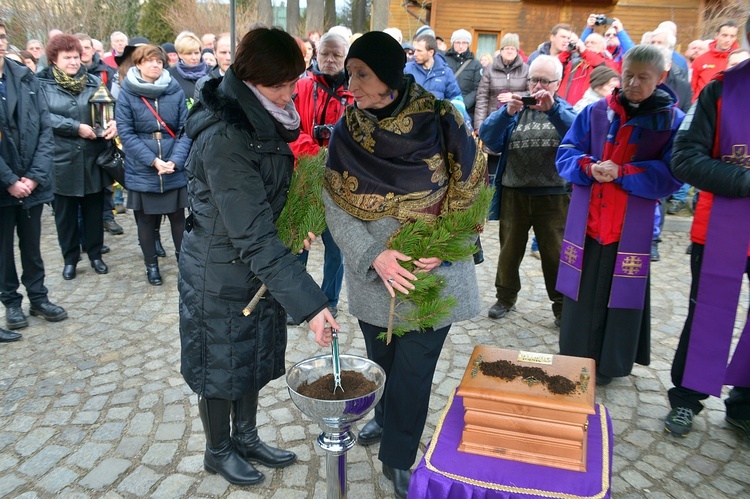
361,242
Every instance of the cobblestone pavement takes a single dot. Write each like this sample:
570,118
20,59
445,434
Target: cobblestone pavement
95,406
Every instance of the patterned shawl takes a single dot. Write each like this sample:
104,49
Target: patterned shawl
394,167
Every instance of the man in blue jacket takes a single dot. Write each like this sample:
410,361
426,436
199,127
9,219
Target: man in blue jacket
533,194
26,154
431,72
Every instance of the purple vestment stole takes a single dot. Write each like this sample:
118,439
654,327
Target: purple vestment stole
724,259
629,279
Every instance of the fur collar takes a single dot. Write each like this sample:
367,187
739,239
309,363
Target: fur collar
225,107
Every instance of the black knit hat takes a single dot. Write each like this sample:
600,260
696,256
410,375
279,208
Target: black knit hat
383,54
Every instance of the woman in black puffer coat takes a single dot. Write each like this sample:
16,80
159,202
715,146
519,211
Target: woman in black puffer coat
79,182
239,174
155,150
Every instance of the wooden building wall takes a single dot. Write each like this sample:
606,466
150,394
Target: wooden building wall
532,19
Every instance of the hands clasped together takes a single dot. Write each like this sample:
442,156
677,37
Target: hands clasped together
605,171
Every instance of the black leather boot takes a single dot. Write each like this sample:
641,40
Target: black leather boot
245,435
152,273
400,479
220,456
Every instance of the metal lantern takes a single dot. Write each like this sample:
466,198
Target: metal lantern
102,106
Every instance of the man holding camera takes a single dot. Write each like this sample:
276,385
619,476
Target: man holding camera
527,131
320,101
617,39
579,60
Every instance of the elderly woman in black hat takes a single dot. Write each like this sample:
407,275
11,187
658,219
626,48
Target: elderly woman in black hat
386,168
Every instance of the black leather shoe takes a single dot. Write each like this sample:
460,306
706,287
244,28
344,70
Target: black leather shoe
8,336
370,433
400,479
245,437
15,318
49,311
160,249
153,275
99,266
69,272
105,249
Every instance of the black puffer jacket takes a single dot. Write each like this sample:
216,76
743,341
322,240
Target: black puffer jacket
468,79
239,171
76,172
32,135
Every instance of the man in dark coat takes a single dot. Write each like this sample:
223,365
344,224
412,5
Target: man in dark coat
466,69
711,153
26,156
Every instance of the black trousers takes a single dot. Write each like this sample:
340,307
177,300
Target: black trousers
518,213
738,403
28,225
66,219
409,363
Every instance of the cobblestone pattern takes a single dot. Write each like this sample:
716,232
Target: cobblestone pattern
95,406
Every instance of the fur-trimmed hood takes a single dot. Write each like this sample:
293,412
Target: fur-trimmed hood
214,106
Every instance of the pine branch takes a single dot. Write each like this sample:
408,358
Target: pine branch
303,211
451,238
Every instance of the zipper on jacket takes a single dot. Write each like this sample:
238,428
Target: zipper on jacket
158,145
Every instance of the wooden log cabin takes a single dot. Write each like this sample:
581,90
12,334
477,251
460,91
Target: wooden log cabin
489,20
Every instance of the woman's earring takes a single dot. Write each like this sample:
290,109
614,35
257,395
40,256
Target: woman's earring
391,95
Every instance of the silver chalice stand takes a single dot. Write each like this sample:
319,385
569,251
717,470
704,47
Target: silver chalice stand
335,417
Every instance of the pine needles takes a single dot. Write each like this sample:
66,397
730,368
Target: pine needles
451,238
303,211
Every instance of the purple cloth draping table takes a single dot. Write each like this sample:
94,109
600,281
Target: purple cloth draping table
446,473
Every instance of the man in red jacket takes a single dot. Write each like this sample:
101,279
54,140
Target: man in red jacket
706,66
578,65
321,101
712,152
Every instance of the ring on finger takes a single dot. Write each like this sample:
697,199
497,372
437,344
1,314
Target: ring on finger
391,281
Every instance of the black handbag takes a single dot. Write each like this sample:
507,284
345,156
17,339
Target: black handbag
112,161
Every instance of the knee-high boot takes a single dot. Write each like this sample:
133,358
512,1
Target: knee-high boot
221,456
245,435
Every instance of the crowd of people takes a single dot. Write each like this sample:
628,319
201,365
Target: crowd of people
586,142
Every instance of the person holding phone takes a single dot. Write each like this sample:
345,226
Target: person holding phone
527,131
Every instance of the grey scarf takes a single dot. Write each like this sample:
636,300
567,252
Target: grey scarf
141,87
288,117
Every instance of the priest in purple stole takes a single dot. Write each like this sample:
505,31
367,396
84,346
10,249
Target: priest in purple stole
712,152
617,156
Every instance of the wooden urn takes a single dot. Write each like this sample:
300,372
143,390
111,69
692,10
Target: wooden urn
522,419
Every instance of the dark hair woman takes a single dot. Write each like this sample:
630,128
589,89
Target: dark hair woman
150,114
79,183
386,167
239,171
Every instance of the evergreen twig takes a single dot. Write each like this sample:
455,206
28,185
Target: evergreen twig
451,238
303,211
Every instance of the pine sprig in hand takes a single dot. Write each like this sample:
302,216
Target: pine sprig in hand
451,238
303,211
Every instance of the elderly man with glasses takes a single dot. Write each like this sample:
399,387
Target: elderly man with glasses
527,131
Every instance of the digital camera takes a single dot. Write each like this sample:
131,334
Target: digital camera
572,46
322,132
602,19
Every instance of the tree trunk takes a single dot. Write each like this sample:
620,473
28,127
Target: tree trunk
314,16
359,15
292,17
379,20
330,14
265,12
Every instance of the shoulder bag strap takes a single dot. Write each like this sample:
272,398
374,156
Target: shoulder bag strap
158,118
